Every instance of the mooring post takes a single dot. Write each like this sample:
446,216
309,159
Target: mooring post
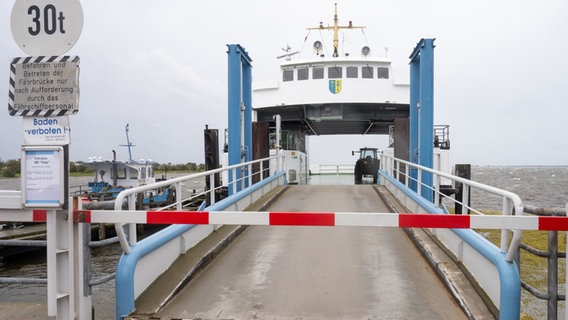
462,171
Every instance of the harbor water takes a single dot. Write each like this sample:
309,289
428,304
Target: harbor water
537,186
545,186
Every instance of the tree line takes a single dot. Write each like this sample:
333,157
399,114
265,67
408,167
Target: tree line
12,168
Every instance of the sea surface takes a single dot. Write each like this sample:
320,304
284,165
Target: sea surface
537,186
545,187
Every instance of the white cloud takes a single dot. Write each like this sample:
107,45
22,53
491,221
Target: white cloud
162,67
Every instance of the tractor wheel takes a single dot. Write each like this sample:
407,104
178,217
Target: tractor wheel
358,177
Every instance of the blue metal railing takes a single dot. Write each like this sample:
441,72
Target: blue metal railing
394,171
125,295
129,196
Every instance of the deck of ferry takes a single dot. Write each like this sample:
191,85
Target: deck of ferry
311,272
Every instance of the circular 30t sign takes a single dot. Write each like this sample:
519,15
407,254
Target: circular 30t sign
46,27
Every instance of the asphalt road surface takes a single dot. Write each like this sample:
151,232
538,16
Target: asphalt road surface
318,272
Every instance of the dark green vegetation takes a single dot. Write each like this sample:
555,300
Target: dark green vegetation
11,168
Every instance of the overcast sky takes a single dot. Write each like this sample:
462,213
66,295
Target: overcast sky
500,72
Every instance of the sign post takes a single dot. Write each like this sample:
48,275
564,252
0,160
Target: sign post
44,90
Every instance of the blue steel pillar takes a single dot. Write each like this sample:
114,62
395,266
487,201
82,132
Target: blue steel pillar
247,99
240,121
422,112
413,119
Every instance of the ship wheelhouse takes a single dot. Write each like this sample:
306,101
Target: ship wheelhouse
333,96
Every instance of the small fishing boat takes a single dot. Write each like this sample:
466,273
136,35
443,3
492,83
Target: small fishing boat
113,176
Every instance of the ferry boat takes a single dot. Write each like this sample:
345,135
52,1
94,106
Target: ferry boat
332,92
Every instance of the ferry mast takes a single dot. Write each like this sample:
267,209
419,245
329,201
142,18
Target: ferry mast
335,29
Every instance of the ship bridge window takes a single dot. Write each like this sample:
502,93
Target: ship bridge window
317,73
143,173
352,72
335,72
120,174
383,73
133,173
288,75
303,74
367,72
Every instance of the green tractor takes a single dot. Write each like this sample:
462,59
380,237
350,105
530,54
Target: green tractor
367,165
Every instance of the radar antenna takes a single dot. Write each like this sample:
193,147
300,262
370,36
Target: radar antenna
288,54
335,29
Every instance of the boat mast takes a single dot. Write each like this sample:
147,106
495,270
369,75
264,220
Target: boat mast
128,143
335,29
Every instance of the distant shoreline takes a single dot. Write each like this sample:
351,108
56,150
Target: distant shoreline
157,174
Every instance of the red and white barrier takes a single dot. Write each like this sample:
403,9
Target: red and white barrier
23,215
353,219
329,219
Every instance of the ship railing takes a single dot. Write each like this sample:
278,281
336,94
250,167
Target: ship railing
330,169
442,136
241,177
420,189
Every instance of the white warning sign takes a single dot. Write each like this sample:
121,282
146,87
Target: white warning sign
47,130
44,86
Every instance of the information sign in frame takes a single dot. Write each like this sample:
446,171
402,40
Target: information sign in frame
43,176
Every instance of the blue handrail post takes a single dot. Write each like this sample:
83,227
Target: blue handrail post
422,111
240,111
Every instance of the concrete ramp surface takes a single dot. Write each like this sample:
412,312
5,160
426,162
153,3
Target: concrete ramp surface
318,272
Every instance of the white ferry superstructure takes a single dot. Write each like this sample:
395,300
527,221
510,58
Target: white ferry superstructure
330,94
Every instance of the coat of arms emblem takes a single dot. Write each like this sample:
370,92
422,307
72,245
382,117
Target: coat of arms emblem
334,86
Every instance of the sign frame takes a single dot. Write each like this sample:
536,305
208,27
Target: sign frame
43,176
41,83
